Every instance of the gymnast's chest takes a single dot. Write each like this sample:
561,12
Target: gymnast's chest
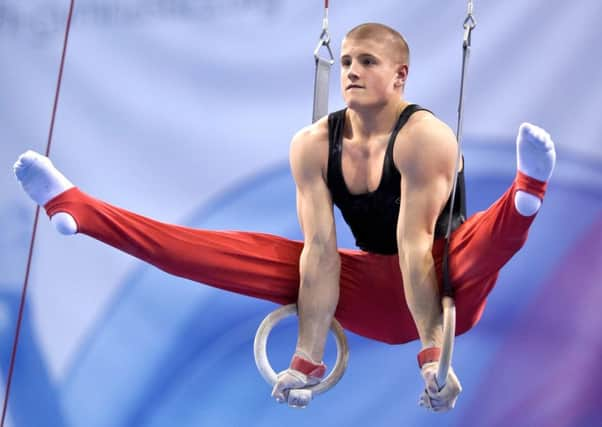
363,165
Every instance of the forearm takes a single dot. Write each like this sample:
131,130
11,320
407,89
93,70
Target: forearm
422,293
318,297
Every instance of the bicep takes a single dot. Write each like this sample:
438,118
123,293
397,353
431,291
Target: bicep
427,176
420,206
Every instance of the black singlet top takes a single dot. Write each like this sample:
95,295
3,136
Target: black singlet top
372,216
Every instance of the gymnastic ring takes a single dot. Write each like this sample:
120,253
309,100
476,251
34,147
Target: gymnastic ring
263,363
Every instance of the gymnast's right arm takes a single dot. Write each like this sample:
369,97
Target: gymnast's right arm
319,262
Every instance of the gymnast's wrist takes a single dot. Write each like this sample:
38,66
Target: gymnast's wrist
304,364
428,355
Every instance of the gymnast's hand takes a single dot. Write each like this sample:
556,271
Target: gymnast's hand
434,399
302,373
289,380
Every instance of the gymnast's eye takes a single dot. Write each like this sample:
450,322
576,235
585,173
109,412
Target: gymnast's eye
368,60
345,62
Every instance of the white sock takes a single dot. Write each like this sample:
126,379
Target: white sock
536,157
535,153
42,182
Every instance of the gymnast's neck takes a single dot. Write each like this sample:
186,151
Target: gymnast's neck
365,122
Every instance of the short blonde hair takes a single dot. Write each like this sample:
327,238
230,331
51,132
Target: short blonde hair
374,30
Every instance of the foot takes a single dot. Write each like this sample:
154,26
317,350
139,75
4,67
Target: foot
536,158
39,178
535,152
42,182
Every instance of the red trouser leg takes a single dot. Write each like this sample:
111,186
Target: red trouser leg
371,301
483,245
254,264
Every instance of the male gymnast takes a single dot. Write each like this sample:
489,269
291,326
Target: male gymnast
389,166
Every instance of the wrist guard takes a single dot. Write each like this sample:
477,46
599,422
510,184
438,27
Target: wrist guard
428,355
308,367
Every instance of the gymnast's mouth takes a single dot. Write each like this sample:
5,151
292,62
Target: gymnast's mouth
354,87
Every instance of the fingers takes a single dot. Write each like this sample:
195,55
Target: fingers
282,387
430,381
280,392
424,401
296,398
288,389
439,400
299,398
435,405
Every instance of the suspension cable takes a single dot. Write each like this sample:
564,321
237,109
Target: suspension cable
35,223
449,309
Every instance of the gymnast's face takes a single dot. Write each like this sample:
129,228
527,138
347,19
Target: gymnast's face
371,74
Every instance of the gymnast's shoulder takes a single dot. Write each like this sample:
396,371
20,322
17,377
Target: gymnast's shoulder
424,133
310,144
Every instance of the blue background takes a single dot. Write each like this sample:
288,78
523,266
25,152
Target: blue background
183,111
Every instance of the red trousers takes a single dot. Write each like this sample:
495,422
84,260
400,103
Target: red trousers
371,301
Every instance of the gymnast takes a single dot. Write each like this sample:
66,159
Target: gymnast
389,166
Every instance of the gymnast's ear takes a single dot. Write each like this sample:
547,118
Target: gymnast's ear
401,75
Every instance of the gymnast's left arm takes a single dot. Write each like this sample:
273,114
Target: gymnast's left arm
426,161
319,268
